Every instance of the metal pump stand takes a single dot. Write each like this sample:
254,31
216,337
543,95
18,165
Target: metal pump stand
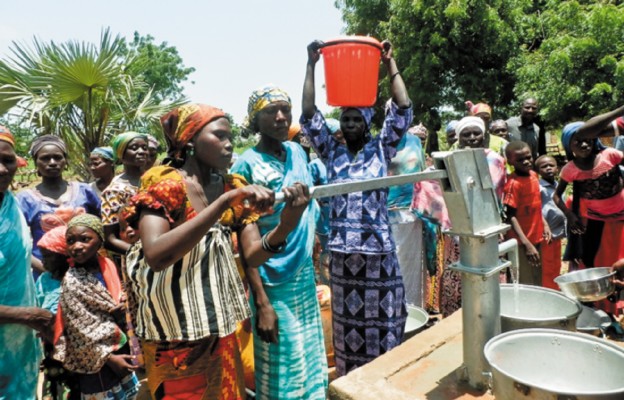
474,213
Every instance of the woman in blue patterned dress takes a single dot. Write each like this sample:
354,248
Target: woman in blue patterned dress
368,299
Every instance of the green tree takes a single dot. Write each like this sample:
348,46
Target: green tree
79,91
158,65
578,68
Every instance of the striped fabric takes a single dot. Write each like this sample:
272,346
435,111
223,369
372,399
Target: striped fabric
199,296
295,367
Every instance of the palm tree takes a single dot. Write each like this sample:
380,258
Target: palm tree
78,91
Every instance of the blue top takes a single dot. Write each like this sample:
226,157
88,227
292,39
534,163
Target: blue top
265,170
319,177
552,214
359,221
408,160
34,205
48,292
20,349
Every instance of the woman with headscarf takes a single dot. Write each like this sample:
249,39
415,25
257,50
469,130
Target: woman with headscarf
597,214
129,149
289,351
102,167
20,319
50,156
368,296
182,272
492,142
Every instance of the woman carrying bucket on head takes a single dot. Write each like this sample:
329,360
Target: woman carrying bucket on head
368,299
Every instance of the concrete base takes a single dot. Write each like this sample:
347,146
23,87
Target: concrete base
427,366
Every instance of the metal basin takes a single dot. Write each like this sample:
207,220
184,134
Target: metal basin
593,322
417,318
589,284
551,364
526,306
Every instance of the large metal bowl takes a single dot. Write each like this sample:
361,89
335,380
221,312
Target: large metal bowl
417,318
594,322
553,364
589,284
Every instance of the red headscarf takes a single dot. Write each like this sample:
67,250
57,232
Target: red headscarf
181,124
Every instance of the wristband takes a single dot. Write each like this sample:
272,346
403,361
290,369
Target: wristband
266,246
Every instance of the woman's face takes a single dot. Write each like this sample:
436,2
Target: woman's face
136,153
352,125
50,161
486,117
213,144
82,243
8,165
274,120
581,148
471,137
99,167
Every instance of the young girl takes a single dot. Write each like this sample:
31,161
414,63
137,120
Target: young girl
368,296
598,212
87,335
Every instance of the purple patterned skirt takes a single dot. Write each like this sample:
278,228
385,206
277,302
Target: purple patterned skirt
368,307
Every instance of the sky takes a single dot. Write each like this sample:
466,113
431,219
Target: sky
235,46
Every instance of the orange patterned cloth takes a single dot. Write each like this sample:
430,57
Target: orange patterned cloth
181,124
163,188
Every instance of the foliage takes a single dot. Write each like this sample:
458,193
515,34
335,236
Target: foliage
159,66
578,70
567,54
79,91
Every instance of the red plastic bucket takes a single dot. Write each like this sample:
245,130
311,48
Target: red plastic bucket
351,70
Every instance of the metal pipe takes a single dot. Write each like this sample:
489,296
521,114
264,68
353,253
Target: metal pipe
480,303
511,247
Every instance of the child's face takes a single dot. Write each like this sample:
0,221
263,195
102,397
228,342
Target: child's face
128,234
522,160
581,148
82,243
547,168
52,261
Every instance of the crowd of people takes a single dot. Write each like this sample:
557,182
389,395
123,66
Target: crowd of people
165,268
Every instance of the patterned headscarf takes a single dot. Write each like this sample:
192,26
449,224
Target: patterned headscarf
475,109
90,221
60,217
261,98
7,136
54,240
568,133
152,142
104,152
367,114
469,122
45,140
181,124
121,141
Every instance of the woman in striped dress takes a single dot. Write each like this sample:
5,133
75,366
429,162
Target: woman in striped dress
189,296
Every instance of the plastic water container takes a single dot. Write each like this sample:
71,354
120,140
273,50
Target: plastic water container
351,70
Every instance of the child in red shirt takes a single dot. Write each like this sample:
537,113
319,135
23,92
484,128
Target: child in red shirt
523,205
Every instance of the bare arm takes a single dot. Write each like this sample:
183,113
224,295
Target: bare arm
36,318
573,221
36,264
309,91
397,85
112,241
531,251
600,125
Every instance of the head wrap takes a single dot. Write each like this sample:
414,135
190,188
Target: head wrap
467,122
7,136
184,122
152,142
90,221
333,125
45,140
104,152
121,141
450,127
568,133
367,114
475,109
261,98
60,217
54,240
293,130
419,130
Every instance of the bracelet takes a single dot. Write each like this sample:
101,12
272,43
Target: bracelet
394,76
266,246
